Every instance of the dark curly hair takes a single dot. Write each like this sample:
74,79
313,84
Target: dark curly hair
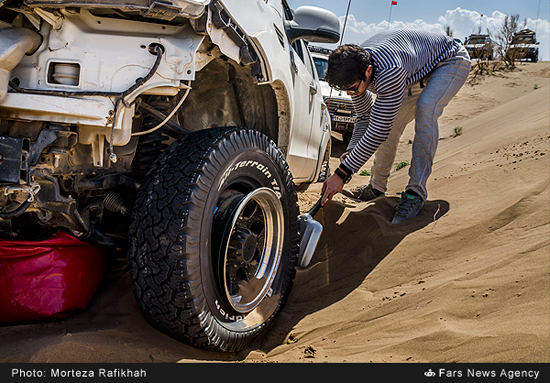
347,65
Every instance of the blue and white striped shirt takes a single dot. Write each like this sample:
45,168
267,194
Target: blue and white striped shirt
400,58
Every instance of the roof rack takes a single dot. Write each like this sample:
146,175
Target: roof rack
319,49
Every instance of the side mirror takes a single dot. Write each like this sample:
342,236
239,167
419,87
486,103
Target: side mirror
313,24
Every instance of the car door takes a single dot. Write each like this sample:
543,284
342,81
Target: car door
320,129
307,127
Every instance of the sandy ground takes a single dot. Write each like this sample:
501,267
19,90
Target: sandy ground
468,280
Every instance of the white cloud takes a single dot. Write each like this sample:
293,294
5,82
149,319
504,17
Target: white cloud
463,22
358,31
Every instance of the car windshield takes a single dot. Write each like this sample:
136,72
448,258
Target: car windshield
523,40
477,40
321,65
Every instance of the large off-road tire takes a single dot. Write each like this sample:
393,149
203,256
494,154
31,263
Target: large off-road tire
214,238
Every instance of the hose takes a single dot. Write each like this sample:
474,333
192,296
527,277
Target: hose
167,117
153,48
16,212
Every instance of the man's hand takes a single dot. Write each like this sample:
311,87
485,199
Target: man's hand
344,156
331,186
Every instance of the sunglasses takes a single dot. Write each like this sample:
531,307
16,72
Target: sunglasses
352,89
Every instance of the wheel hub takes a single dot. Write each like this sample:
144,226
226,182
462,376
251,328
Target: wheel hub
243,246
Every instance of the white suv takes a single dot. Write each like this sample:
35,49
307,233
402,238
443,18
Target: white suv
479,46
524,45
176,129
340,105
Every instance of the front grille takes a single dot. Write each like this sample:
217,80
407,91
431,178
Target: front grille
340,107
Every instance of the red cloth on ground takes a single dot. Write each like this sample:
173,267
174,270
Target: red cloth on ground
48,279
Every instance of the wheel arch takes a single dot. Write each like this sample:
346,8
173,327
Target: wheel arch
225,94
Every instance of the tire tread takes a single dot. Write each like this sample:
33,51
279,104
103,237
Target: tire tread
164,271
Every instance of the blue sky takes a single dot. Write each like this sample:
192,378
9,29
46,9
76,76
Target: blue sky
366,17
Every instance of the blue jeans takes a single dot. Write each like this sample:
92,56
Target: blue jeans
424,105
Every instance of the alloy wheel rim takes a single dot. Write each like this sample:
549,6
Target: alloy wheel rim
252,249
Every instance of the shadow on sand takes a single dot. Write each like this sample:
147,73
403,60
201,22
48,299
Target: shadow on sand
354,241
352,244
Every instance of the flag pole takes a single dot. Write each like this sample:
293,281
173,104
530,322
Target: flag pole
389,19
345,22
392,3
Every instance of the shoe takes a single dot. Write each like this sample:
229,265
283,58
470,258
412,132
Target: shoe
363,193
409,206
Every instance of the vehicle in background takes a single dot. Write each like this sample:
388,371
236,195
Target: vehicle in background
479,46
524,46
340,105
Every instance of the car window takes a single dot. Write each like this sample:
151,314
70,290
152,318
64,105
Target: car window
302,51
289,14
298,49
478,40
321,65
524,40
309,62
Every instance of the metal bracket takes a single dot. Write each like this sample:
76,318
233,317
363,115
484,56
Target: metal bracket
13,166
45,138
32,189
53,18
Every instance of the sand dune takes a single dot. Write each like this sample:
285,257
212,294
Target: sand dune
465,281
